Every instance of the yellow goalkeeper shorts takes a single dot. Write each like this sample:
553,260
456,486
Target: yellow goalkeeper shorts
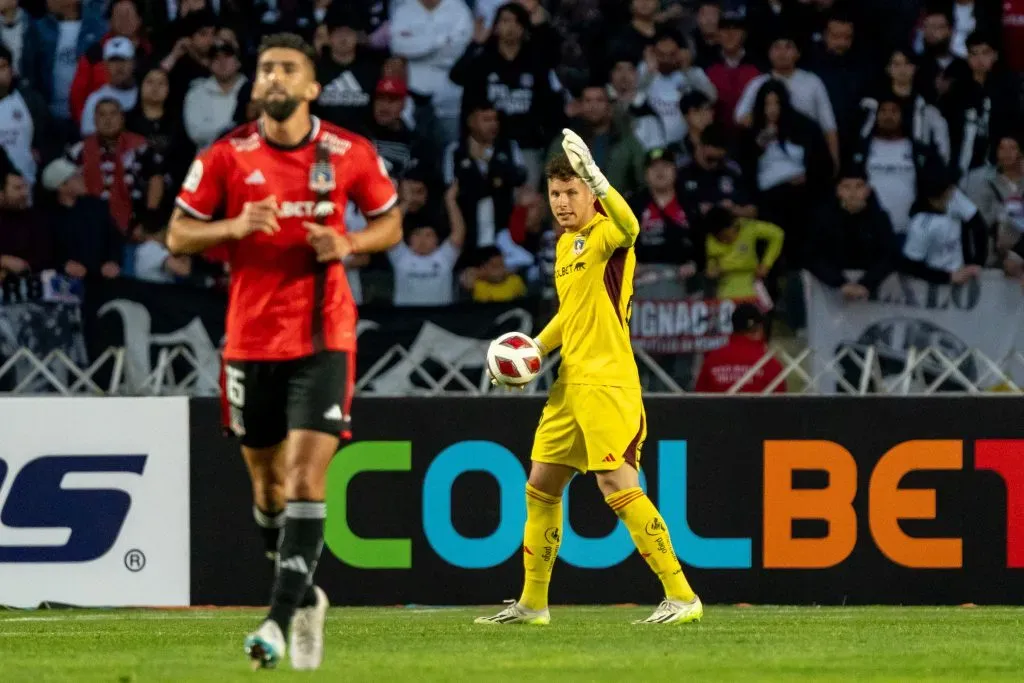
591,427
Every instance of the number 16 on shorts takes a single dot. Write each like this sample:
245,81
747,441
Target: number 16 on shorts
235,389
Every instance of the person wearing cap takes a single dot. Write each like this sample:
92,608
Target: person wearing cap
210,104
806,91
87,239
947,239
24,122
119,60
723,368
733,69
347,73
395,141
851,232
92,72
666,236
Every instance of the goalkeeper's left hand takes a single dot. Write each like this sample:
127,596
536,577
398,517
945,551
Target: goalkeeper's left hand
583,162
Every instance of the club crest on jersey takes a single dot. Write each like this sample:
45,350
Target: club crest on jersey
578,244
321,178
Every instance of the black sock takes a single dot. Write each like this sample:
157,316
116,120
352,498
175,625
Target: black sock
301,543
270,524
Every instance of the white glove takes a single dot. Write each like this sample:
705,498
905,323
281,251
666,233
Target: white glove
583,162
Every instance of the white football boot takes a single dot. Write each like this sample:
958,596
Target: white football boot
306,640
265,646
675,612
517,614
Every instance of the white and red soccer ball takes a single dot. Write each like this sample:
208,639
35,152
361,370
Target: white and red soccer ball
513,359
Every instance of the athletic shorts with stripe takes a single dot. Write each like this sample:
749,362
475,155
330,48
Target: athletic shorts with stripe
591,427
264,400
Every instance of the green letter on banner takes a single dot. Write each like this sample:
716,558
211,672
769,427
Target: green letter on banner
364,553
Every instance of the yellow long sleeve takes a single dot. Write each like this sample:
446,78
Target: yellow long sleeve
550,338
621,216
774,236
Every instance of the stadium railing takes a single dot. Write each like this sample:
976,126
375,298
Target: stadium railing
856,369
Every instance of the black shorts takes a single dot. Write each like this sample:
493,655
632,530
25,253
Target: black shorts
264,400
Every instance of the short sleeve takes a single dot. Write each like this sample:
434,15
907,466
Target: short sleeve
916,246
372,189
202,192
448,254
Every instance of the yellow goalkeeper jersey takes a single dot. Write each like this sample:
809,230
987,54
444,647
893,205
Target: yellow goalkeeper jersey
594,279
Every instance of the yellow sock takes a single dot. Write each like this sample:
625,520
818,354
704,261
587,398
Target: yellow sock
652,540
541,538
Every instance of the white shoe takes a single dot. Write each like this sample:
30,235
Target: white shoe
306,640
265,646
675,612
517,614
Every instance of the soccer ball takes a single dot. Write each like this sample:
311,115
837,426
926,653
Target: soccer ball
513,358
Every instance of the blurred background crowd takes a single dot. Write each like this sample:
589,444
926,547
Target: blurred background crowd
754,138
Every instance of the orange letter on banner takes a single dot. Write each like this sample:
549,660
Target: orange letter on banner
888,504
783,504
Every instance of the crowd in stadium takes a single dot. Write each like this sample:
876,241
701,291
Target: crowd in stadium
753,138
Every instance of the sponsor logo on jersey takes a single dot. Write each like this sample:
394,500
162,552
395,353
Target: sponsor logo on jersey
305,209
248,144
334,144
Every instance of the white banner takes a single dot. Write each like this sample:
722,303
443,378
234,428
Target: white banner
94,501
984,314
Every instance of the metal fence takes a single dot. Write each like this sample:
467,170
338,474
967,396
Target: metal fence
857,370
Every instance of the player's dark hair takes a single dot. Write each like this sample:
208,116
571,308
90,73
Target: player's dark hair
559,168
288,41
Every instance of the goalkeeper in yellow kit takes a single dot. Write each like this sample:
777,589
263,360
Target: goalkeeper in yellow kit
594,418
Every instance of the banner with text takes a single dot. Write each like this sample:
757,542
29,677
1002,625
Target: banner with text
100,518
984,314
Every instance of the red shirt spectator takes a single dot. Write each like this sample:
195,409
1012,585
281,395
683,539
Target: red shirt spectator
726,366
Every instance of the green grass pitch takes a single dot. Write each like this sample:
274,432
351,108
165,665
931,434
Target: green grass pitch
582,644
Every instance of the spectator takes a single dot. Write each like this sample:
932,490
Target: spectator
15,25
893,162
786,153
93,71
633,39
119,61
698,112
24,121
88,241
734,68
190,57
732,252
432,35
806,92
210,104
153,119
424,265
119,167
414,197
770,18
998,192
852,232
939,68
723,368
712,179
348,73
492,281
616,150
947,240
667,75
839,64
546,40
631,109
665,233
504,69
707,34
488,169
395,142
929,127
155,263
53,47
26,242
980,109
968,16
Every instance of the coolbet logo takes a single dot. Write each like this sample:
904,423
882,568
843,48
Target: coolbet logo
43,503
889,504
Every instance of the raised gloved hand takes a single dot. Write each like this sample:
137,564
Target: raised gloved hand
583,162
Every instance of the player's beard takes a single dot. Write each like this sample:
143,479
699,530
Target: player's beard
280,110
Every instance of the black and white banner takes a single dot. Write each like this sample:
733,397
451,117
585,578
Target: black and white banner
910,315
146,318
